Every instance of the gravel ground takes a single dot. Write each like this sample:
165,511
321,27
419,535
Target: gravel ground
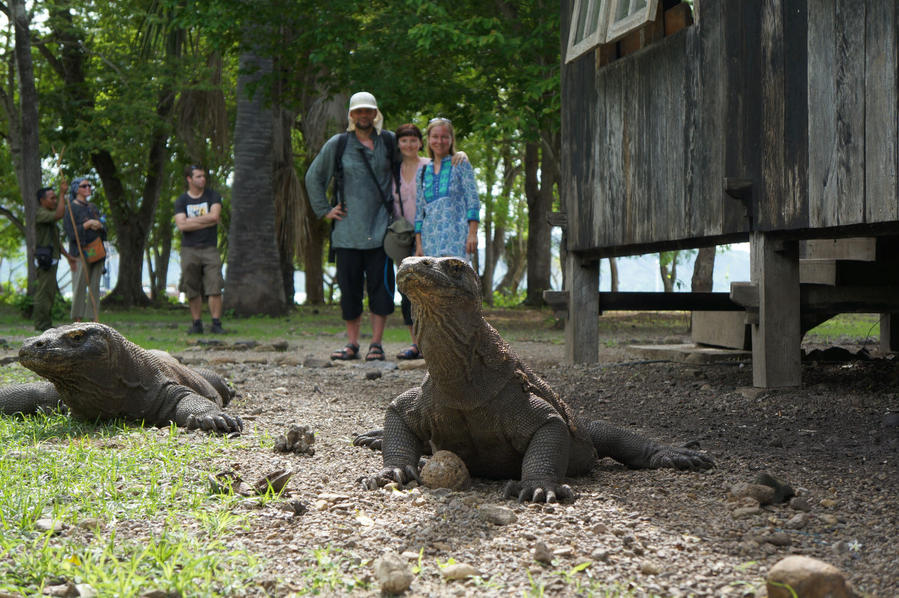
644,533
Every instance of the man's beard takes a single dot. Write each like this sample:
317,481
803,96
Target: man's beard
365,126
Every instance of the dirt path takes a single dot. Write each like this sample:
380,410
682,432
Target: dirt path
661,533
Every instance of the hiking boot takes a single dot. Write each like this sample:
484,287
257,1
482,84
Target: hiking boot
217,328
196,328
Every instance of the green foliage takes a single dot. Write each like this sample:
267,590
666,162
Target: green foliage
504,300
99,477
865,327
329,570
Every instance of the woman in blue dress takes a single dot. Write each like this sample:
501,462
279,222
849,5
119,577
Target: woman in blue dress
447,209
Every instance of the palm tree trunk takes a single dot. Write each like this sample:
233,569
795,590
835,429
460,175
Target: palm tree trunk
253,284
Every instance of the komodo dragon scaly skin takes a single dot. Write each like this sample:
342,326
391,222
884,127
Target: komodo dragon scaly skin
481,402
98,374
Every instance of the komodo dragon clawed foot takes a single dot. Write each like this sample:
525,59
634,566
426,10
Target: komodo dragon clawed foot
401,475
220,423
680,458
372,439
538,491
480,401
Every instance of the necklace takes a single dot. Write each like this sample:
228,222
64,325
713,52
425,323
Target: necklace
408,170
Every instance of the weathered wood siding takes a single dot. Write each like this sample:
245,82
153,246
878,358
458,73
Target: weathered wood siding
799,97
663,129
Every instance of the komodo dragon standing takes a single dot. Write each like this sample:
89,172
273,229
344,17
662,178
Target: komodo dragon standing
98,374
481,402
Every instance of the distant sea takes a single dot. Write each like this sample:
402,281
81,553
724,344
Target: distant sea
635,273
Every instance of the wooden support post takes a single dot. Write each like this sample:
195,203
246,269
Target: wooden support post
776,338
889,333
582,325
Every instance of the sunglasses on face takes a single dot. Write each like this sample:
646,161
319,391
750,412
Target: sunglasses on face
84,185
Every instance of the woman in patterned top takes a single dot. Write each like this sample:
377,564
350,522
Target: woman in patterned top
447,209
409,142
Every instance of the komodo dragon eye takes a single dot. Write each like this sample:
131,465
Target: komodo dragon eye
76,336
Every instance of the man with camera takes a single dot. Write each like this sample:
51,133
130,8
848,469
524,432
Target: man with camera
46,253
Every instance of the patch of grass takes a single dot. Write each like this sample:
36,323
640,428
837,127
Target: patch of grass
330,570
858,327
100,480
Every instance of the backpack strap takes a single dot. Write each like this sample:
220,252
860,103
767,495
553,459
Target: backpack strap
338,168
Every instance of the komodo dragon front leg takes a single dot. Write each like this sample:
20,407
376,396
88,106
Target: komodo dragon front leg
543,466
402,442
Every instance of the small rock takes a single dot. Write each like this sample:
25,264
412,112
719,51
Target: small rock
798,521
760,492
91,523
311,361
160,594
85,590
276,480
458,571
600,556
294,507
778,539
373,374
445,470
393,574
542,554
807,577
751,392
650,568
600,528
800,503
497,515
65,590
49,525
828,503
782,491
829,519
412,364
746,512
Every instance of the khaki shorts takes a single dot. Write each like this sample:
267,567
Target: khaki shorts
201,272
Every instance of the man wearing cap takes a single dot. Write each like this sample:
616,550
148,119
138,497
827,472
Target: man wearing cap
360,221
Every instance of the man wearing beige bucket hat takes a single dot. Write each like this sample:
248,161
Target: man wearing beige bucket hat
364,176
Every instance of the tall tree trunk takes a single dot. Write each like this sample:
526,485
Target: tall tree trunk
496,242
288,198
322,117
133,226
27,155
703,270
539,198
253,284
613,274
668,272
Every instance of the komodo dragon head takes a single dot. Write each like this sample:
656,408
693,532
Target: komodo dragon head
76,356
439,282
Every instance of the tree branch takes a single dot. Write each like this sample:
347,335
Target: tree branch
13,219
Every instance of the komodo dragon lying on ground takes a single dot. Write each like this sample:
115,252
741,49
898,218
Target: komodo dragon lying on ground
98,374
481,402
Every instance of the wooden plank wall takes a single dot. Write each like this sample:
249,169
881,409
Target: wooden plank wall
881,110
781,198
799,97
665,122
577,184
